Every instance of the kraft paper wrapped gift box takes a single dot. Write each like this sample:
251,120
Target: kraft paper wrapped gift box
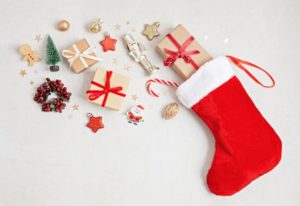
80,56
182,52
108,89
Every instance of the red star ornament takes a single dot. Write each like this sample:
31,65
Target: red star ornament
108,43
95,123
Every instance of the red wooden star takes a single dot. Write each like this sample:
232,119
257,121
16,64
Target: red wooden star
108,43
95,123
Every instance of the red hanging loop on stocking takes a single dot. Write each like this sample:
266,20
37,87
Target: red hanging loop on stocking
239,63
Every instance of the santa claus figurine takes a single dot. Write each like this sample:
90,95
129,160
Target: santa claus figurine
135,115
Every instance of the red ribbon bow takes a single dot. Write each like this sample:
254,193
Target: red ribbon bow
106,89
181,52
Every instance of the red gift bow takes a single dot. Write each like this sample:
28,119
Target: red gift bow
239,63
106,89
181,52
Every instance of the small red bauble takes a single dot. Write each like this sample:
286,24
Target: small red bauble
44,91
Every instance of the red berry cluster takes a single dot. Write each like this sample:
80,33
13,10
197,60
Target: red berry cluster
55,104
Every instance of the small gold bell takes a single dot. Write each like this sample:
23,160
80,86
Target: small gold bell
95,26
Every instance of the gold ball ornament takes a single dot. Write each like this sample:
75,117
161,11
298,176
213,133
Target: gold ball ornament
95,26
63,25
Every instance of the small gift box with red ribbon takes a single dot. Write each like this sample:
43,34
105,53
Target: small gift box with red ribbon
182,52
80,56
108,89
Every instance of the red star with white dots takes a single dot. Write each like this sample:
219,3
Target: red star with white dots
108,44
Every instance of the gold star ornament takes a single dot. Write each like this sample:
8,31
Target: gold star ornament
151,30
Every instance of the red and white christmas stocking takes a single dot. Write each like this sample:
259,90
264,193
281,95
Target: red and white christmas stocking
246,146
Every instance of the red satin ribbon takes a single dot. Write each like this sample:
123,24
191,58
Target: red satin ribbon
239,63
106,89
181,52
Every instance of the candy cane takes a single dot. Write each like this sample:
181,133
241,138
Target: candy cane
159,81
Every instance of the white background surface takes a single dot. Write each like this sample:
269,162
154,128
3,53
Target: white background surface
53,159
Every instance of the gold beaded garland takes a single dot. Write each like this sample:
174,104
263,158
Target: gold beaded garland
63,25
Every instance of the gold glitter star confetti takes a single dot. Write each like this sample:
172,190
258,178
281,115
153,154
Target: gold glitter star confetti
134,97
127,67
75,107
22,72
117,27
38,38
115,61
165,93
151,30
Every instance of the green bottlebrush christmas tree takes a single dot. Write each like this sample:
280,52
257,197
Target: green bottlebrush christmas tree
52,55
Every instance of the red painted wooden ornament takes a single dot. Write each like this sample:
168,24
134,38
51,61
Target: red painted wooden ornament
95,123
108,43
